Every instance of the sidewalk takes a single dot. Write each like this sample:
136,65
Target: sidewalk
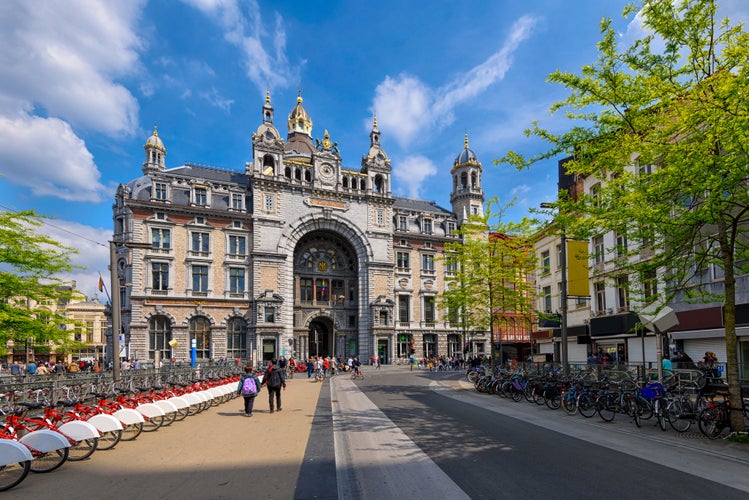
217,454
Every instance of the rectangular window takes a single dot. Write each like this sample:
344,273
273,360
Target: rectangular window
427,226
201,243
161,238
474,210
269,203
427,262
403,260
336,287
322,290
160,191
402,223
649,284
451,264
598,249
404,303
450,229
380,218
305,289
201,196
160,276
545,262
89,331
270,314
383,318
600,297
622,285
547,299
199,279
236,280
237,246
353,291
236,201
429,310
621,244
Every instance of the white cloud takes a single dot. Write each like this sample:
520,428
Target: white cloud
58,63
45,155
93,252
216,100
406,107
266,66
63,57
411,173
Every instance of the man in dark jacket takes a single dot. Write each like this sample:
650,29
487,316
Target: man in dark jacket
274,379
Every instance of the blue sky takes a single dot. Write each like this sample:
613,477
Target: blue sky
82,84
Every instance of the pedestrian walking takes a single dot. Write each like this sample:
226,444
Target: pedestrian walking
274,379
249,386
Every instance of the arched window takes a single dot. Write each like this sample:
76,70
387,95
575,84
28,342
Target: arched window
298,174
474,180
287,172
307,175
269,166
236,338
200,330
345,182
379,184
463,180
159,335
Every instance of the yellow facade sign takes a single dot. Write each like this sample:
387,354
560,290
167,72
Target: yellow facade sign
577,269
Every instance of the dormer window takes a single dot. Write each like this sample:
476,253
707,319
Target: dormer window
200,196
160,191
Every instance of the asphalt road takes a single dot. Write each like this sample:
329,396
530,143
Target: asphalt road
400,434
491,455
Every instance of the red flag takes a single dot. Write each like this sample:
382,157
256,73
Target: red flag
101,284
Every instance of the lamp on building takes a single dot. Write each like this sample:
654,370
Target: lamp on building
562,293
116,287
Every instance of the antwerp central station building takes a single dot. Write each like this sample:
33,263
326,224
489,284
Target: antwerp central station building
294,254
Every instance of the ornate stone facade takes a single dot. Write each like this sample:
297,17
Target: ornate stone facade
296,255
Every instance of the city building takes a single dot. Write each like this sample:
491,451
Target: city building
294,254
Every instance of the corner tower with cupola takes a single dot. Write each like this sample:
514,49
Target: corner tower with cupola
155,154
467,197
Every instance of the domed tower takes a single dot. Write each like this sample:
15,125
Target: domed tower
155,154
467,197
267,144
299,139
376,163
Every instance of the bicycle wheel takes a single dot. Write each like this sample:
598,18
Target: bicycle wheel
553,398
169,418
109,439
49,461
712,421
586,405
131,431
606,407
182,413
153,423
568,403
678,416
13,474
83,449
516,394
659,410
644,408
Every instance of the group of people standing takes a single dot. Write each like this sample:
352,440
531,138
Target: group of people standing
18,369
274,379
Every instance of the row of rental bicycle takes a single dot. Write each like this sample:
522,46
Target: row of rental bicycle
45,424
678,402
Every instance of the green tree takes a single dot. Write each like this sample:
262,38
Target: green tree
29,267
490,288
663,123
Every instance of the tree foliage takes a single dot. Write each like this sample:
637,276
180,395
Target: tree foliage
491,287
663,123
30,287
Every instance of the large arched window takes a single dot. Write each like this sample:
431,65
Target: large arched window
159,335
236,338
200,330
